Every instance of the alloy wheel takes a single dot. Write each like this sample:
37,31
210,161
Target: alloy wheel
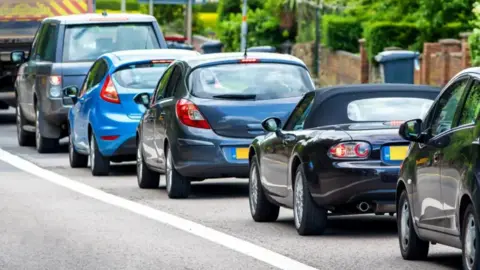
19,121
139,161
37,129
298,200
405,225
253,190
169,173
92,153
470,241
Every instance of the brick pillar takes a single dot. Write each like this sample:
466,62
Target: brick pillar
364,68
465,50
448,46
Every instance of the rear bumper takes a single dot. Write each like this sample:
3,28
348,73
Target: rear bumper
122,126
55,112
355,182
204,154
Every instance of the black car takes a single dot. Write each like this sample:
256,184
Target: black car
62,53
438,188
339,151
205,112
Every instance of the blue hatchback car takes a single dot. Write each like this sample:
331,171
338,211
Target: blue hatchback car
104,117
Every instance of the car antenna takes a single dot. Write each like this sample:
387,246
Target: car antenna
245,54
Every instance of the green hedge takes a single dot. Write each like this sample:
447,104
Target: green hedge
208,7
341,33
380,35
116,5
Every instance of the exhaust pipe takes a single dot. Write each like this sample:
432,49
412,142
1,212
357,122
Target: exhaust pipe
363,207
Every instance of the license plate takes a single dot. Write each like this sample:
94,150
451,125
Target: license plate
395,153
241,153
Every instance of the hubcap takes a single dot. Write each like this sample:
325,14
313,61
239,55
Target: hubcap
139,162
92,153
253,189
405,225
298,200
70,147
169,173
470,242
37,129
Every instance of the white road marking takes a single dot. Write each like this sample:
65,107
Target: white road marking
236,244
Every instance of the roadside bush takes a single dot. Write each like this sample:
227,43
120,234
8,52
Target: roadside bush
341,33
227,7
209,19
116,5
387,34
209,7
474,39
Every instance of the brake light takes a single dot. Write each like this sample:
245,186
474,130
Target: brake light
109,138
55,80
162,61
249,60
348,150
189,115
394,123
108,92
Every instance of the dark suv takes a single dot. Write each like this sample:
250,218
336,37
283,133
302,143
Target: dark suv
438,189
62,52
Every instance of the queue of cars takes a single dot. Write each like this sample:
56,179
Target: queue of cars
112,86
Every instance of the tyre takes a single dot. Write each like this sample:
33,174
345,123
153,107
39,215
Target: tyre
43,145
146,178
99,164
25,138
310,219
411,246
77,160
178,186
261,209
470,250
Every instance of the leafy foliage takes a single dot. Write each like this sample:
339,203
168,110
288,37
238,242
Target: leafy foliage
227,7
474,39
116,5
341,33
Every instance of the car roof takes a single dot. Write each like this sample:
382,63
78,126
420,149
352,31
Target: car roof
95,18
121,57
219,57
368,87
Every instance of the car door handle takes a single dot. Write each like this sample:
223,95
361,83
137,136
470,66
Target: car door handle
436,157
476,142
289,138
163,113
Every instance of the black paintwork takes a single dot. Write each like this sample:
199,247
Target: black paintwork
441,170
338,185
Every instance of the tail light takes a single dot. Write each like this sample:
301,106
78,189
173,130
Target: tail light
55,86
249,60
189,115
349,150
108,92
394,123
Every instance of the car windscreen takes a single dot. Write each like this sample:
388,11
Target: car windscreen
259,81
139,76
388,108
88,42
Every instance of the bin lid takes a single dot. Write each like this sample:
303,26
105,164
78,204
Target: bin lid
395,55
212,43
261,49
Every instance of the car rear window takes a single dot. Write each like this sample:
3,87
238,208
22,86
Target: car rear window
388,108
258,81
139,76
88,42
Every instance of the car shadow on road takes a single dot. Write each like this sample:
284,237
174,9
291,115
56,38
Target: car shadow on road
218,190
446,260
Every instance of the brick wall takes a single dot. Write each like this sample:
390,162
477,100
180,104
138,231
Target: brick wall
339,67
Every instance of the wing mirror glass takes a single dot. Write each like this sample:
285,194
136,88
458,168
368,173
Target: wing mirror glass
17,57
142,99
271,124
71,92
411,130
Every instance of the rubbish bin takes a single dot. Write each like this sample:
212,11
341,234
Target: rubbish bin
177,45
268,49
212,47
397,66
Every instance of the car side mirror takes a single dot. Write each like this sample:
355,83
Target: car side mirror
71,92
142,99
271,124
17,57
411,130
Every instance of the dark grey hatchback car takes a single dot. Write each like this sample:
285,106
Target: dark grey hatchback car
62,52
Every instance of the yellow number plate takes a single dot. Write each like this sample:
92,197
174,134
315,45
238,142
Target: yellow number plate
241,153
398,152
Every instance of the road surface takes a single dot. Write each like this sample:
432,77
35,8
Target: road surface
55,217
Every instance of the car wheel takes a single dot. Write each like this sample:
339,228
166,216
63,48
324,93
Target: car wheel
310,219
25,138
411,246
99,164
43,145
261,209
146,178
470,252
178,186
77,160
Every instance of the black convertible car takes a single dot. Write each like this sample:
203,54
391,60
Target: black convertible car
338,151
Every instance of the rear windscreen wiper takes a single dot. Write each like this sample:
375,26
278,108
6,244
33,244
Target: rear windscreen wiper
236,96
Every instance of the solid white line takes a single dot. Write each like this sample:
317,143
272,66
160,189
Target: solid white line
236,244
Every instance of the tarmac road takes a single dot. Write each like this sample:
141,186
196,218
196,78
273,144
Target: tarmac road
50,221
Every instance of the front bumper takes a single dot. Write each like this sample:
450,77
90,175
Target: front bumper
355,182
203,154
